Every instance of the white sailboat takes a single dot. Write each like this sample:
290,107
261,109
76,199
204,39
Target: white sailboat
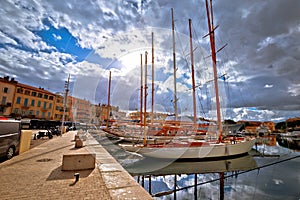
191,149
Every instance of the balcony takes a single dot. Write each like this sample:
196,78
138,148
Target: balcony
5,105
25,107
44,109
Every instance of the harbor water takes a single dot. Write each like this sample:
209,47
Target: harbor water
270,171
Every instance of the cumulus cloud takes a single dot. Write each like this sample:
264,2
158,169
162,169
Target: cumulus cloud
261,59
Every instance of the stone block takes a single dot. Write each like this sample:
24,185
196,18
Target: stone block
82,161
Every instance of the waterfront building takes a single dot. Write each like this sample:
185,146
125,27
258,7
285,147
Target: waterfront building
106,113
58,107
94,119
21,101
293,123
270,125
24,101
158,117
253,126
7,92
32,102
80,110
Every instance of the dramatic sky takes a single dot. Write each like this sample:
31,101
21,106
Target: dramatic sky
42,42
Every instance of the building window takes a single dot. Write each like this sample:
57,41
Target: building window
16,110
32,102
40,95
33,94
43,114
50,105
18,100
46,96
49,114
39,104
25,102
51,98
5,90
45,105
20,90
27,92
3,102
37,113
30,112
59,100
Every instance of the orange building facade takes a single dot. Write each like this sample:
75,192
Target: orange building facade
7,93
31,102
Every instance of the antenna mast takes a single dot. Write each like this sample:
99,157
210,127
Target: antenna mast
65,104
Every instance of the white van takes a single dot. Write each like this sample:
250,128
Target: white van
10,134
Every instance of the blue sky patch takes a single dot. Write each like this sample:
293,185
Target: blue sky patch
252,108
63,41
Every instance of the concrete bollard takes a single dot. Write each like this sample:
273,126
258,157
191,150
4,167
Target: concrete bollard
76,137
78,143
76,175
25,140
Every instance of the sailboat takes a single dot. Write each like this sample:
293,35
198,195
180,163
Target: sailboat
199,149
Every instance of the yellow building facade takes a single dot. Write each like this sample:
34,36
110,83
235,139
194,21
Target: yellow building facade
21,101
7,92
58,107
32,102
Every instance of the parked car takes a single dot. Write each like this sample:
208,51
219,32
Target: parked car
10,134
72,128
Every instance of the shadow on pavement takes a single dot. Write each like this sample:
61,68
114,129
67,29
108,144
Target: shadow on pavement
58,174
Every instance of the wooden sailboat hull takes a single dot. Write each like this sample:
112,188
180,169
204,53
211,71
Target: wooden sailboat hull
208,150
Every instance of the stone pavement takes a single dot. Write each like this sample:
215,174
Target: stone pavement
36,174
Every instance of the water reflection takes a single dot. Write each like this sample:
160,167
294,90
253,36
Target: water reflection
151,166
291,142
271,171
187,177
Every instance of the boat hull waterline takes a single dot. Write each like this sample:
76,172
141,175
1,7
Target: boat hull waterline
209,150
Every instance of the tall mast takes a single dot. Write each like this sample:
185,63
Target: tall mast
174,65
145,100
211,30
108,100
152,102
193,73
141,94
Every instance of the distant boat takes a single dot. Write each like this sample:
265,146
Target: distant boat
263,130
289,140
192,149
